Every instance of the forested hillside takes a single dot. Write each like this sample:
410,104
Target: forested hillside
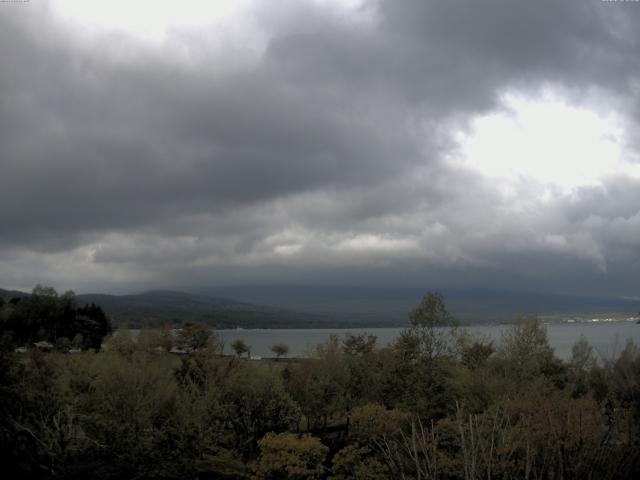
159,307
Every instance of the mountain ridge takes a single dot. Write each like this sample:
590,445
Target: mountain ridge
470,304
335,306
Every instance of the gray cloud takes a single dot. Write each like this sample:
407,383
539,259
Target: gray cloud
324,157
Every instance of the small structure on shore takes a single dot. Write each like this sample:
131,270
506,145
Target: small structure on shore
44,346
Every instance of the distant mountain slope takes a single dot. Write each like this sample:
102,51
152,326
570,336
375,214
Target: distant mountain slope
336,306
392,304
8,294
164,306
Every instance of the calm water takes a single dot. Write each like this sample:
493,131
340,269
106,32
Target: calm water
607,339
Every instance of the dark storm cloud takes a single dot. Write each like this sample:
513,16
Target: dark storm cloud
122,145
324,156
449,56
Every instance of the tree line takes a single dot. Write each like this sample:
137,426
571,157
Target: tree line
46,316
437,403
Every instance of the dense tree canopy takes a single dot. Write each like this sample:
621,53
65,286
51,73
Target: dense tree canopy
47,316
353,410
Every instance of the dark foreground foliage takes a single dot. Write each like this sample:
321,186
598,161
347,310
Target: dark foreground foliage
58,320
436,404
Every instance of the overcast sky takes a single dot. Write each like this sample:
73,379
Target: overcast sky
444,143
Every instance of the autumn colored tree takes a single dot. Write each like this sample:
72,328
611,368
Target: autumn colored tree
280,349
358,462
290,456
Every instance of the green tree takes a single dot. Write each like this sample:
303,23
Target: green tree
373,422
358,462
255,402
525,348
526,359
431,335
130,408
474,351
582,356
45,315
431,312
195,336
290,456
359,344
239,346
582,367
320,386
280,349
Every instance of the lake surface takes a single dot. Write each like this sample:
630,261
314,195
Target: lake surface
607,338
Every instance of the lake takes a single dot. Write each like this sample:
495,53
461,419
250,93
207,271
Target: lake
607,338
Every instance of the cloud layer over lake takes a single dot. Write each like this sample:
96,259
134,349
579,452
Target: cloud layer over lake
436,143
